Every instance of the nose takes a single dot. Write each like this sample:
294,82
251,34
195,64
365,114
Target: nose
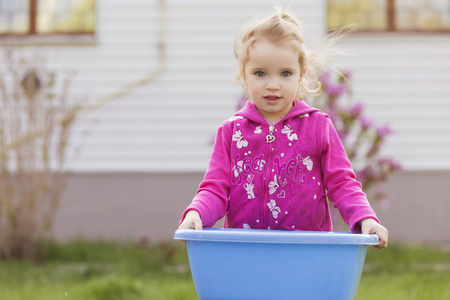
272,84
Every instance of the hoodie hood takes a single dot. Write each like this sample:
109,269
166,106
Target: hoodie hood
250,111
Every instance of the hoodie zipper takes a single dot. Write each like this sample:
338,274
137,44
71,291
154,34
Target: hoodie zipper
270,138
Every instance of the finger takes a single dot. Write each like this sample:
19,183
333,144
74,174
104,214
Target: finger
183,226
186,224
383,241
382,245
198,225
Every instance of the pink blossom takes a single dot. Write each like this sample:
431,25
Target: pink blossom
374,169
357,109
365,123
336,90
347,74
383,131
390,165
395,165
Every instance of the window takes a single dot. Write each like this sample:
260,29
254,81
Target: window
47,17
390,15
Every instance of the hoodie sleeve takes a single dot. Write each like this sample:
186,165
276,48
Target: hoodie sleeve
340,181
212,196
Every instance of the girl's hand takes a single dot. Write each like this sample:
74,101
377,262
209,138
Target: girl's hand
370,226
192,220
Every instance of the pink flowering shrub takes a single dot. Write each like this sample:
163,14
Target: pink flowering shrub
362,137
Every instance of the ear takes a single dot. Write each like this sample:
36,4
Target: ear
302,74
244,81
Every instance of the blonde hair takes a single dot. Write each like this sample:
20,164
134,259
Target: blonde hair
282,28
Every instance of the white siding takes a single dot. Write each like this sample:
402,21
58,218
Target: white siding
168,124
404,82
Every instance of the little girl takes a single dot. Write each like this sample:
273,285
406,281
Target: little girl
275,163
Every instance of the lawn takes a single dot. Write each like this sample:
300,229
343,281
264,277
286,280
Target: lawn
406,273
108,271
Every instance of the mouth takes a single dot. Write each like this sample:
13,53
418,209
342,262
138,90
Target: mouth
272,98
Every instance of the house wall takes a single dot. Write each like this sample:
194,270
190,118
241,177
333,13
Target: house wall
133,206
167,125
145,151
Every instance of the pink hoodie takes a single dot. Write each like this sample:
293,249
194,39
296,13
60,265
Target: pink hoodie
279,177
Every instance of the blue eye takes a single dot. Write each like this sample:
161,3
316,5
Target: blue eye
286,73
259,73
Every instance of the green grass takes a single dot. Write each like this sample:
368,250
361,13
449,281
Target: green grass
101,271
107,271
406,273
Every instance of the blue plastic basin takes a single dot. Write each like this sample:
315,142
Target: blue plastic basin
273,264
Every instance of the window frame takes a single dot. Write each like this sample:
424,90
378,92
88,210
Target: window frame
34,37
391,24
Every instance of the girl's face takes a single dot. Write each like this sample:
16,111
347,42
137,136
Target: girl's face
272,77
